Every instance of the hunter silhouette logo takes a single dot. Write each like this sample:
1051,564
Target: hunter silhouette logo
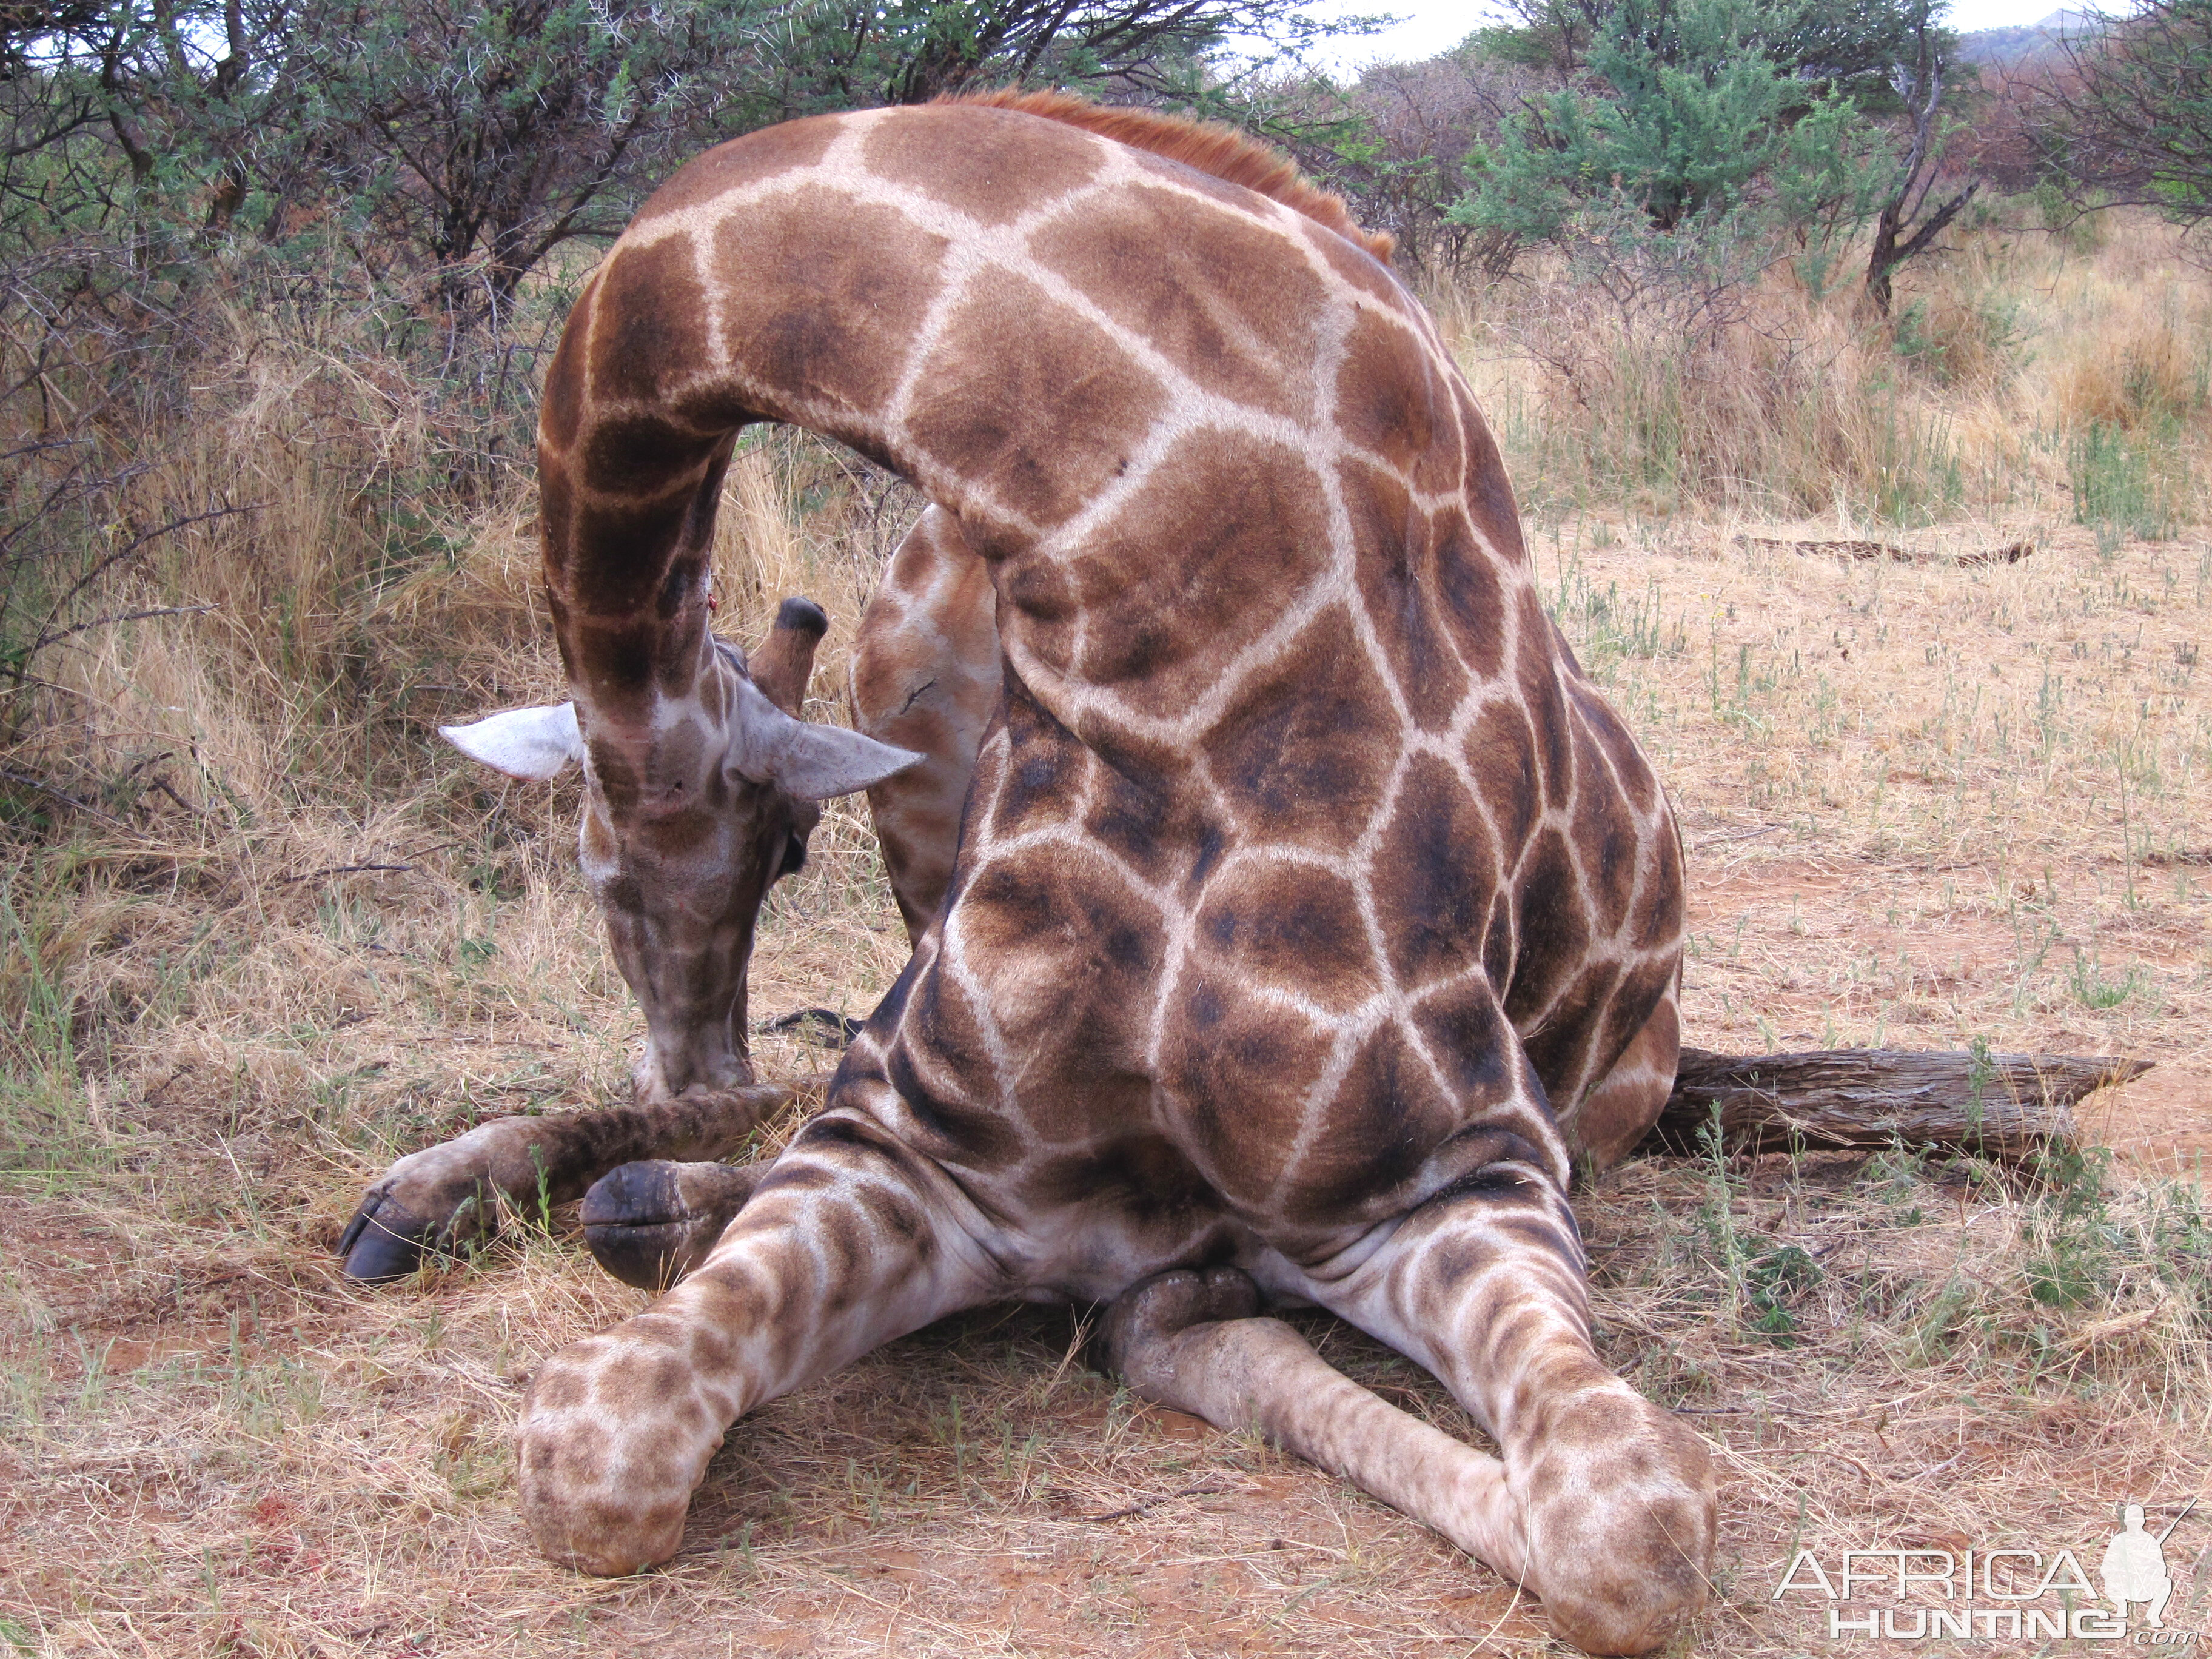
2134,1568
2012,1593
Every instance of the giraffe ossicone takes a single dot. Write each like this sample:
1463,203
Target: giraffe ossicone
1309,917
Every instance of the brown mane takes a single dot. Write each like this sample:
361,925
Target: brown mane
1206,145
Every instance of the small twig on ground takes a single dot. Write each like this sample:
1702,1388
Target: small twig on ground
1740,834
832,1030
162,785
340,870
62,795
162,1087
1204,1489
2010,553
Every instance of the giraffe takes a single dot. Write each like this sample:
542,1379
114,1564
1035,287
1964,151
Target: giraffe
1311,916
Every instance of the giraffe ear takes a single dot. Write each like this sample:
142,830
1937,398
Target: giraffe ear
809,761
523,743
816,762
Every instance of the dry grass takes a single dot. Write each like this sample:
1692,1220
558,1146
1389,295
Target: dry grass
2019,375
1926,804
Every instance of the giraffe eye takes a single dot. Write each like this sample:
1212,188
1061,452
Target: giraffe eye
794,857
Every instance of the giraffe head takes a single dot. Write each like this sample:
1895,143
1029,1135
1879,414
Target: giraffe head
690,814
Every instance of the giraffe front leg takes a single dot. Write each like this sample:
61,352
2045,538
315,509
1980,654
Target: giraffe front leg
849,1241
448,1196
1612,1497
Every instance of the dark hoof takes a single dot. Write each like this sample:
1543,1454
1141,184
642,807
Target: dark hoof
651,1222
822,1026
383,1242
1151,1311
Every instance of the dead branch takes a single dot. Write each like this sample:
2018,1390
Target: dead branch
2008,1105
2010,553
58,635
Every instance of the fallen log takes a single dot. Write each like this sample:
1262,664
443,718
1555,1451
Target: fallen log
1837,1099
2010,553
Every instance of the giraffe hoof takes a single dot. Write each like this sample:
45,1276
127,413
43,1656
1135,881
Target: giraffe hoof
384,1241
651,1222
1144,1319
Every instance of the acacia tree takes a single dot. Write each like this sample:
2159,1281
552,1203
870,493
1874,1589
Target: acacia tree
1691,111
474,139
1901,231
169,85
1728,123
467,140
1827,45
908,52
2128,119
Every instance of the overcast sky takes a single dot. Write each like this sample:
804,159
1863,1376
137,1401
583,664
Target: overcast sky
1435,26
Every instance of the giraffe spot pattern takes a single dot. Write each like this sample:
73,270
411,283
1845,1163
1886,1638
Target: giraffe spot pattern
1062,952
1397,570
1304,757
1289,925
1240,514
1183,284
1301,866
1435,874
757,156
1388,1117
826,294
1029,402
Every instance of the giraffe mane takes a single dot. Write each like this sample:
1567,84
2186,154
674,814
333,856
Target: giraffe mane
1206,145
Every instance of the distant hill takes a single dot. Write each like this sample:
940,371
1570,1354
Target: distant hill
2023,42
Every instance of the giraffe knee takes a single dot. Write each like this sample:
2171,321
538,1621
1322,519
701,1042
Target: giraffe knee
608,1451
1620,1512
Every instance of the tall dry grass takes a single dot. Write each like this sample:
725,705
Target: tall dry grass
216,810
2022,374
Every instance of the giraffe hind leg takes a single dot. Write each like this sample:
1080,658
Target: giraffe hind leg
1190,1341
925,677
